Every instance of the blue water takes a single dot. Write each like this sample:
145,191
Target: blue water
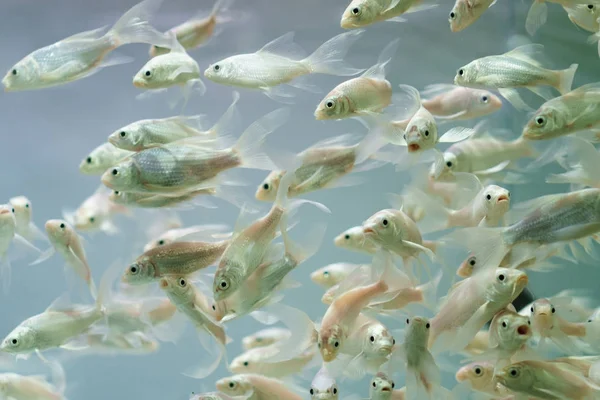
46,133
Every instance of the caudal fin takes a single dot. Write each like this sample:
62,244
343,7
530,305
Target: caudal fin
328,59
536,17
566,77
133,26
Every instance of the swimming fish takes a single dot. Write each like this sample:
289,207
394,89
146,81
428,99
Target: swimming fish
34,387
85,53
585,16
191,233
260,387
323,386
382,388
96,213
280,62
332,274
102,158
361,13
149,200
256,361
454,103
355,239
480,377
23,218
580,158
514,69
538,13
465,12
266,337
369,93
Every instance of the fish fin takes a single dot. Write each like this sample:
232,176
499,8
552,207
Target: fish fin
249,145
374,141
420,7
233,196
543,92
300,252
566,79
46,254
456,134
392,5
74,346
513,97
221,6
36,233
109,228
278,94
205,369
328,58
171,330
526,53
486,244
91,34
133,26
494,169
301,82
429,291
396,19
192,85
436,214
21,247
264,318
377,71
111,60
284,46
536,17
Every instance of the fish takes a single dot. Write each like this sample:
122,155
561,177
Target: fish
584,16
324,165
149,200
515,69
546,380
471,303
256,361
260,387
574,112
355,239
538,13
173,259
280,62
582,363
323,386
266,337
362,13
217,396
454,103
133,343
196,232
198,30
148,133
579,158
102,158
466,12
194,305
96,213
332,274
34,387
85,53
368,94
69,245
179,167
382,388
23,217
480,377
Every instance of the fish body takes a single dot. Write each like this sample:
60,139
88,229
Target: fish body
362,13
356,240
323,386
266,337
25,387
261,387
96,213
460,103
332,274
150,200
481,378
256,361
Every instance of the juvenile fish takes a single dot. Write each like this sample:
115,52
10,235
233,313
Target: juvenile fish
149,200
279,62
332,274
266,337
33,387
481,378
356,240
258,386
23,218
455,103
96,213
466,12
538,13
323,386
382,388
83,54
191,233
256,361
548,324
362,13
102,158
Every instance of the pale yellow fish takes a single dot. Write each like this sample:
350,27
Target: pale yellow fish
23,217
256,361
382,388
368,94
83,54
585,16
538,13
355,239
480,376
266,337
466,12
449,102
332,274
580,158
323,386
191,233
34,387
96,213
261,387
547,323
509,333
281,61
361,13
102,158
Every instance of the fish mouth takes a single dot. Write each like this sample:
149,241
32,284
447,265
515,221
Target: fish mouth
523,330
522,280
368,231
413,147
386,389
4,211
502,198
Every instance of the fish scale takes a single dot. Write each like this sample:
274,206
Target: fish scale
503,71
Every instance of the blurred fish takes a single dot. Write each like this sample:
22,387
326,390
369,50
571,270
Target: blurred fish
581,159
196,232
368,94
366,12
356,240
266,337
133,343
455,103
96,213
466,12
538,13
258,386
23,217
515,69
480,377
323,386
256,361
280,62
332,274
382,388
102,158
85,53
585,16
218,396
34,387
197,30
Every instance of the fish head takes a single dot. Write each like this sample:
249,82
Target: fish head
381,225
118,197
23,75
466,75
329,275
7,215
267,190
421,133
359,13
511,329
223,71
547,122
157,50
222,311
153,74
496,200
161,241
139,272
333,106
584,15
381,387
86,219
418,330
235,385
352,238
466,268
478,374
323,386
59,231
329,342
20,340
127,138
121,176
517,377
483,102
506,285
242,364
378,341
542,314
226,281
22,207
177,287
92,164
462,15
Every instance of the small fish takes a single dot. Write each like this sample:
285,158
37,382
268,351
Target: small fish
69,245
279,62
362,13
585,16
323,386
580,158
547,323
332,274
266,337
133,343
96,213
194,305
368,94
256,361
515,69
481,378
34,387
173,259
188,164
538,13
85,53
102,158
576,111
260,387
382,388
546,380
149,200
148,133
218,396
454,103
196,232
198,30
465,12
23,217
583,363
355,239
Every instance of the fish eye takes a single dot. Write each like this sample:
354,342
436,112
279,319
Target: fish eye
384,222
245,363
477,371
214,308
266,186
404,136
161,242
13,210
347,237
62,225
489,197
148,73
449,164
513,372
501,277
589,320
484,99
590,7
133,269
528,322
336,344
311,391
329,104
326,273
231,384
374,385
88,160
334,390
92,220
452,15
393,341
540,121
356,11
393,385
224,284
319,344
426,133
14,341
531,308
27,205
14,72
123,133
407,321
372,339
472,261
115,172
216,67
504,325
182,282
427,325
553,310
461,72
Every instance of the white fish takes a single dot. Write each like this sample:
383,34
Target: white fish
258,386
355,239
34,387
280,62
465,12
382,388
257,361
102,158
323,386
585,16
23,217
581,159
196,232
480,377
453,103
332,274
538,13
85,53
266,337
366,12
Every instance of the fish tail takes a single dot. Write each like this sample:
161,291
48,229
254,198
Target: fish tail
249,145
328,59
300,252
228,121
133,26
220,6
565,79
536,17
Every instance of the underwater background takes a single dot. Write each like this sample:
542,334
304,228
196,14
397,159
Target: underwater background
46,133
